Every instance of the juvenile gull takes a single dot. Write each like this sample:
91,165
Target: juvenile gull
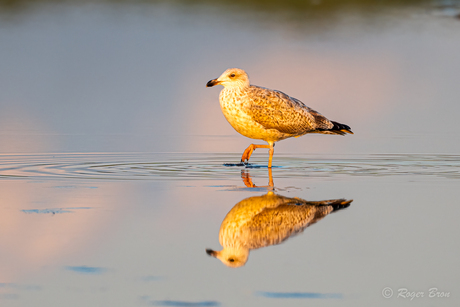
264,114
267,220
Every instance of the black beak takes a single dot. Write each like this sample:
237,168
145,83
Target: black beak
212,83
210,252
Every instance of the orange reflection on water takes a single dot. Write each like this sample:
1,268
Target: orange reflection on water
45,223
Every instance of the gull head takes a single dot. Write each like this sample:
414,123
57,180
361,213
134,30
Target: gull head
232,257
232,78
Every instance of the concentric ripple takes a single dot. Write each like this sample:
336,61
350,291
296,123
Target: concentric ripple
140,166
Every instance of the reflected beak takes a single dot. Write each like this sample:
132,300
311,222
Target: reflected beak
210,252
212,83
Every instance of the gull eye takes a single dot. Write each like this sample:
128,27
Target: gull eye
232,76
231,260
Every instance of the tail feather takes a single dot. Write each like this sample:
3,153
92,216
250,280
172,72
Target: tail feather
339,128
341,204
336,204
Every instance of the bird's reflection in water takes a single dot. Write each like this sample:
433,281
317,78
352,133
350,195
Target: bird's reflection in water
266,220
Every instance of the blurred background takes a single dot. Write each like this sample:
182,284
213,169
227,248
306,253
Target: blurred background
129,76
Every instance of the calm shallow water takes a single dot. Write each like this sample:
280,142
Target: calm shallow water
112,153
132,229
174,166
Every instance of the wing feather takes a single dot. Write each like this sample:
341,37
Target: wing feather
276,110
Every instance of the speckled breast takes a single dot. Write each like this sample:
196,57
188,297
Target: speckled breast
233,104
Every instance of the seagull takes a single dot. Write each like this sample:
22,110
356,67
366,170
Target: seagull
269,115
266,220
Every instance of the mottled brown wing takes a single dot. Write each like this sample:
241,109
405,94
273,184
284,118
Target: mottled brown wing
276,110
275,225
